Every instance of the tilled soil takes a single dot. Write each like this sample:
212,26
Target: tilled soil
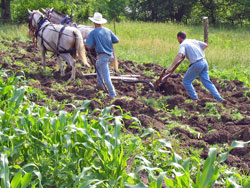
217,123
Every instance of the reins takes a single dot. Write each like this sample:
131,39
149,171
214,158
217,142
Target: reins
32,31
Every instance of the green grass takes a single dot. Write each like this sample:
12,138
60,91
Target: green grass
14,32
156,42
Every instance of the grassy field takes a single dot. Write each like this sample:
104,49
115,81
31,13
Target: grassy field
227,54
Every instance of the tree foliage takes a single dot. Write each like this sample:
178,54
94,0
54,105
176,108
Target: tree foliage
218,11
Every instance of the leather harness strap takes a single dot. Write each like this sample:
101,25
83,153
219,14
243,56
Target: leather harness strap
58,41
57,51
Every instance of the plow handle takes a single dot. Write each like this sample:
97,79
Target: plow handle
164,77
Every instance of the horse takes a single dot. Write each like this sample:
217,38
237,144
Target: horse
65,42
58,18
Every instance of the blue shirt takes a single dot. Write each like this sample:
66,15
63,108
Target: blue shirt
192,49
102,39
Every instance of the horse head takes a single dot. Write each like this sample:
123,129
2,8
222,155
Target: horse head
35,17
48,12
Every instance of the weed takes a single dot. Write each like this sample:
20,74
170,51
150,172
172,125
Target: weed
3,47
19,63
177,112
189,101
35,94
101,94
185,127
222,84
212,110
34,66
149,73
159,104
247,93
22,51
7,59
59,87
236,115
194,152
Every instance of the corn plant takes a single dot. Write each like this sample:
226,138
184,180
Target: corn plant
187,173
78,149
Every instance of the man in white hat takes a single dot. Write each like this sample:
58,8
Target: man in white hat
102,40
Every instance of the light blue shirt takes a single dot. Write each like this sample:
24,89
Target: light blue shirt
101,39
192,49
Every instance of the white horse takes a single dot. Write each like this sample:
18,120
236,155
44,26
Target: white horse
65,42
58,18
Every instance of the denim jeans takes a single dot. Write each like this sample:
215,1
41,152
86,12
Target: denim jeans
103,75
199,68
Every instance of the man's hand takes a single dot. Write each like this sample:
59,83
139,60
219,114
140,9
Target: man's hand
168,71
204,46
176,62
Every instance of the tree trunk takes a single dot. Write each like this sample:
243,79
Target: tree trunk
6,15
179,14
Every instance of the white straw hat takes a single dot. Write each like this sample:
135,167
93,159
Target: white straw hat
98,18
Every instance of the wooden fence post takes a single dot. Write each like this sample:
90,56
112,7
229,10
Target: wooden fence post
205,20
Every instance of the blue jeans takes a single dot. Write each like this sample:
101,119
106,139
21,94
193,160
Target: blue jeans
103,75
199,68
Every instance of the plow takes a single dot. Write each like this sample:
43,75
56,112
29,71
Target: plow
117,76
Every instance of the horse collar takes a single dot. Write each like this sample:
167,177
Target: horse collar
41,22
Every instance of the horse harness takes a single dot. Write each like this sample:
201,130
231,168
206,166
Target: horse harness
57,51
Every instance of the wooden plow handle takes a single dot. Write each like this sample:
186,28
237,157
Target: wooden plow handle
164,76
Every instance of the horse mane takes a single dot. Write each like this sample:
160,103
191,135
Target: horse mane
59,13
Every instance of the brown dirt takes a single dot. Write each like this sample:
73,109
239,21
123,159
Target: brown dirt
216,122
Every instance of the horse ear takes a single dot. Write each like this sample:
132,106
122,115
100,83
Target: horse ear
30,12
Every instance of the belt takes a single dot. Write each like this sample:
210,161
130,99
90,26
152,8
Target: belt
101,53
196,62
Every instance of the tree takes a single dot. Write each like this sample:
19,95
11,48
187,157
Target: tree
211,7
161,10
6,14
183,8
111,9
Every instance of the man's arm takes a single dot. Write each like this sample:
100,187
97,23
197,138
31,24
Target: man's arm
90,41
178,59
203,45
114,38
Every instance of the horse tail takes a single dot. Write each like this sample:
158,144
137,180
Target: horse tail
115,62
80,48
